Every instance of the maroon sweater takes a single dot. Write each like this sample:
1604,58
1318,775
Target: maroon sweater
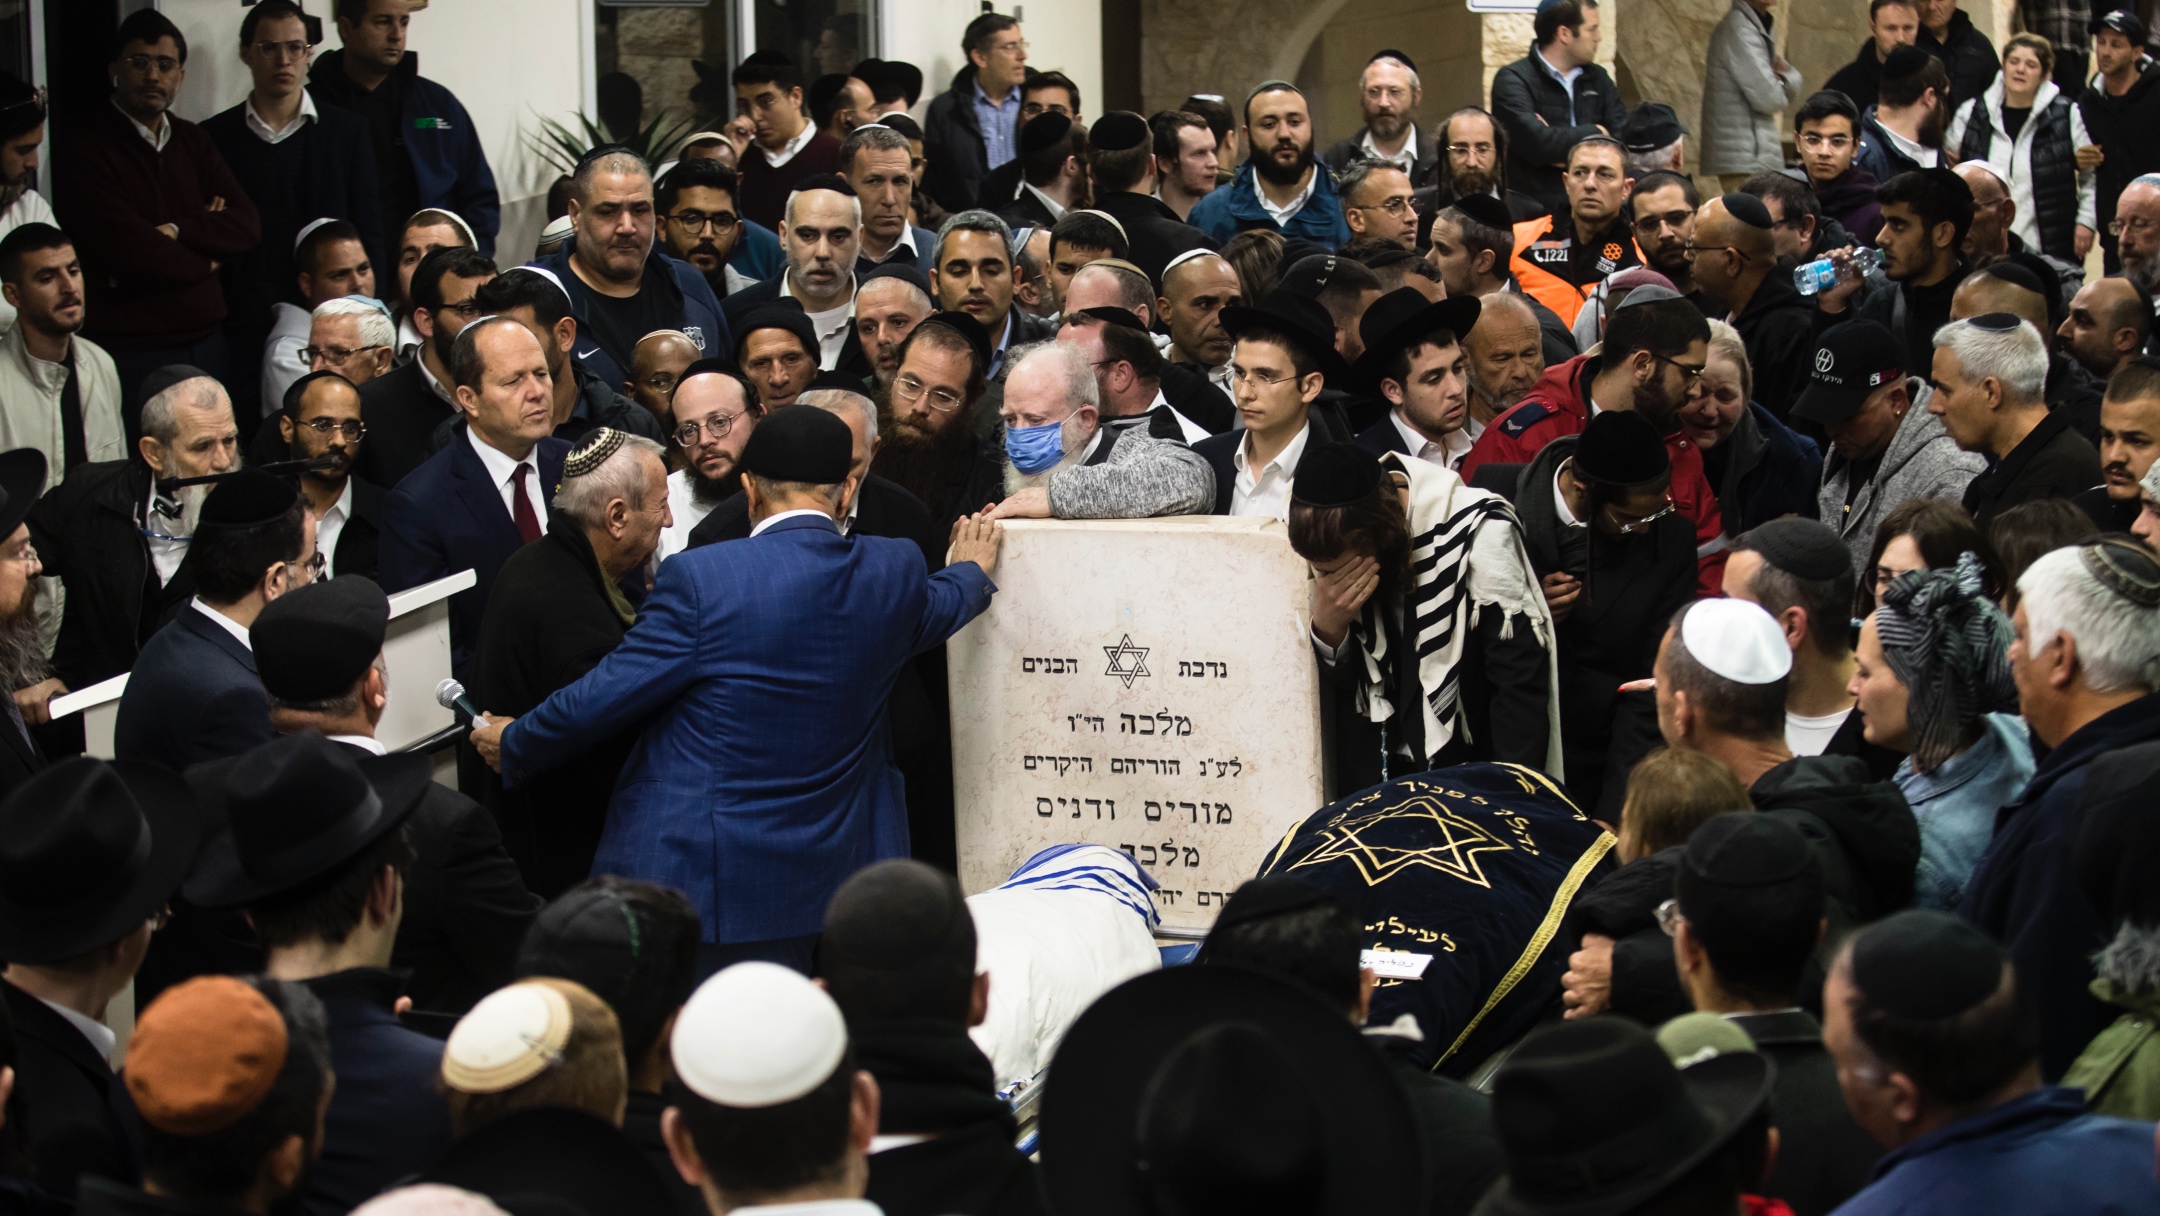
762,193
144,289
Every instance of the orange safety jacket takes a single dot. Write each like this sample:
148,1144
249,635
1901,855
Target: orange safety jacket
1542,264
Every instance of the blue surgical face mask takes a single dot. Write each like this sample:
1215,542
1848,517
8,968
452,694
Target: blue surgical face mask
1035,448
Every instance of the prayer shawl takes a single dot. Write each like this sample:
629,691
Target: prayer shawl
1466,555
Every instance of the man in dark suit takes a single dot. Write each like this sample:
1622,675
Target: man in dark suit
403,407
482,497
194,695
1415,361
321,417
761,781
820,237
929,446
316,850
1049,176
22,656
1121,155
78,903
558,609
466,904
878,163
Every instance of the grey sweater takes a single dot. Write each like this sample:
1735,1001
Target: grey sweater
1140,478
1922,462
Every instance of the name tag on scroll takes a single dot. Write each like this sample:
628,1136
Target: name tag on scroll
1394,964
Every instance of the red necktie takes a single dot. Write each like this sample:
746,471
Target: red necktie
521,512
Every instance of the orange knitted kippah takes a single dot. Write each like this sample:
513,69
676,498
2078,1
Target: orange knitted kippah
203,1055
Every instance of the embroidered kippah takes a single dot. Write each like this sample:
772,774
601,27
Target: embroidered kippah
2126,569
593,451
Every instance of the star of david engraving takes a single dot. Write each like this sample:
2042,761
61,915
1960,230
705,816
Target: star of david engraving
1127,661
1379,844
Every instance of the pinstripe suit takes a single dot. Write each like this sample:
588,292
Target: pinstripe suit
760,668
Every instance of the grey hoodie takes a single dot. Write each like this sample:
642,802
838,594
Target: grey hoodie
1923,462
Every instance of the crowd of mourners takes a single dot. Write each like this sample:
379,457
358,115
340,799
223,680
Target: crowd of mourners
1800,541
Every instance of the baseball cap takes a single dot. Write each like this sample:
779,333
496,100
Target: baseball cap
1852,361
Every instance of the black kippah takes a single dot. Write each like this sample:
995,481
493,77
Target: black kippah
1748,210
823,181
1949,182
1486,210
1904,61
1802,548
2018,275
248,499
314,644
1925,964
1744,849
1397,56
1393,255
903,272
967,327
1119,130
801,443
1335,475
706,366
780,314
1998,322
167,376
1265,898
1043,131
1621,448
1111,314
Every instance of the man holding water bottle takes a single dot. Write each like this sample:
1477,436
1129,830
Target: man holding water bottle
1924,218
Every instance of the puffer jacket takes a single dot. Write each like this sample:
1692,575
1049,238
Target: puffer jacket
2128,127
2120,1069
1743,94
2053,196
1923,462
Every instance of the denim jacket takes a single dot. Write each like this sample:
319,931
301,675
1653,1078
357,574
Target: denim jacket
1956,806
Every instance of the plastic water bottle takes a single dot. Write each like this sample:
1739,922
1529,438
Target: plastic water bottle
1814,276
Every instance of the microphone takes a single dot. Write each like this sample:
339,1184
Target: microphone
451,695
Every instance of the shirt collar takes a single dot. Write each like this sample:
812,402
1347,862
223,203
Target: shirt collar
1408,153
434,386
1567,516
819,1207
342,508
1285,461
366,743
100,1035
1567,78
156,139
847,307
1057,209
230,625
1011,95
269,134
1451,449
501,468
768,522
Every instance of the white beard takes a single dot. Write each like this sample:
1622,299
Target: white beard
1016,481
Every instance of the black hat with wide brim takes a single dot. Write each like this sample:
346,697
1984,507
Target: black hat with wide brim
547,1161
1301,319
295,810
89,850
1120,1064
22,479
1404,317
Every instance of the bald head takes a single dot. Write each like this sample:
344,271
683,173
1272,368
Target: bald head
1987,187
1717,226
1210,266
1732,256
1982,293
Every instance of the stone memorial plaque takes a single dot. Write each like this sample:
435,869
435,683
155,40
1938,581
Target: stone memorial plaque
1143,684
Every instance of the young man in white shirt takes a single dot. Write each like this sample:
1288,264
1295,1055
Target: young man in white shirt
1283,355
1416,359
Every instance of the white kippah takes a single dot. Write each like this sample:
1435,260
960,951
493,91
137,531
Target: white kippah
429,1199
557,229
513,1035
1185,257
757,1034
310,227
1737,640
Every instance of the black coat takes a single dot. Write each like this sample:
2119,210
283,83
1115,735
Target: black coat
1220,451
2128,129
1534,108
641,1127
193,696
735,307
104,1197
466,905
87,532
1153,230
1462,1150
1762,471
953,146
1859,79
1823,1156
2052,461
20,756
1777,327
548,622
1022,210
1193,395
934,1081
1424,171
402,413
388,1119
1967,56
359,539
2074,393
71,1114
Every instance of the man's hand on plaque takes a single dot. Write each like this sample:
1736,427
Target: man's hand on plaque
976,538
1031,503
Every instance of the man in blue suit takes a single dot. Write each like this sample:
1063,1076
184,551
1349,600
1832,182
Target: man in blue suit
484,495
761,667
194,694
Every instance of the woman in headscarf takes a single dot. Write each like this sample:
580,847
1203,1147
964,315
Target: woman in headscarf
1933,679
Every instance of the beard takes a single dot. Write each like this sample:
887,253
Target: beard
2143,271
1016,481
916,456
1473,181
1275,171
1496,402
22,653
711,491
1934,126
1657,409
1388,126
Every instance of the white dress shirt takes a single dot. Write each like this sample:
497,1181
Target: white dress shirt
1283,215
156,139
770,520
832,324
502,470
1056,208
366,743
166,550
1448,454
1266,492
329,526
790,148
683,503
1405,160
277,135
230,625
100,1035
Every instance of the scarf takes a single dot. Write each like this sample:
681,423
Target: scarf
1447,594
1949,645
931,1077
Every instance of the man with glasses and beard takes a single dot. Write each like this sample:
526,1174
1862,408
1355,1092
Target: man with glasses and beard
1656,347
1389,92
320,419
929,448
715,411
696,201
2136,229
22,654
115,541
1662,209
1281,186
1473,160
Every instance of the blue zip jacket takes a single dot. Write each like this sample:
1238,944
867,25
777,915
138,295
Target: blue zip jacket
757,255
2038,1154
701,316
449,166
1228,210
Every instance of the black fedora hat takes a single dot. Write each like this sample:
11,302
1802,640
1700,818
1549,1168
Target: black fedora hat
22,479
296,809
1402,317
1224,1082
89,850
1302,319
1594,1119
554,1161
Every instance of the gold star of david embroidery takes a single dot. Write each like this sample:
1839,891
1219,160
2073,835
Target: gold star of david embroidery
1381,844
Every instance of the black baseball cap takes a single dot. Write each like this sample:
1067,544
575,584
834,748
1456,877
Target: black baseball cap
1653,125
2123,22
1851,362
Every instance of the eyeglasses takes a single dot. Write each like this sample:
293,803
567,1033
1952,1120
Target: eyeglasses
1008,48
1470,149
717,426
338,356
1689,372
1398,206
1239,375
908,388
2131,223
28,556
699,221
468,309
662,383
1625,527
1387,92
1669,918
165,64
351,428
313,564
1816,139
279,51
